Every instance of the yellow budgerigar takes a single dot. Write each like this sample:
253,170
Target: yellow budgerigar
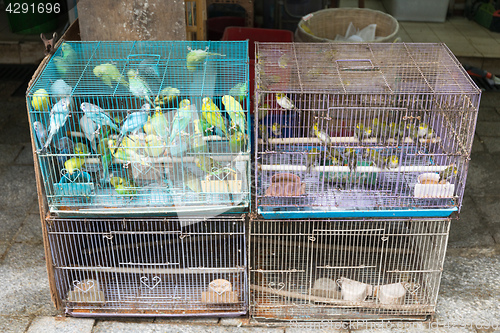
211,113
235,112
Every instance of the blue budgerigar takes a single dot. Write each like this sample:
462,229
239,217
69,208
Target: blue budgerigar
138,86
60,88
58,116
98,115
40,133
134,122
90,130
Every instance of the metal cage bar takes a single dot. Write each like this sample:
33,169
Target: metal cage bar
150,127
345,269
140,267
362,130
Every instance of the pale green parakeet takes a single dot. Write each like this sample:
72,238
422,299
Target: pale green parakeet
239,91
109,75
180,122
196,57
158,124
139,87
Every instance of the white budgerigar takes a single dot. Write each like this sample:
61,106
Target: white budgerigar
58,116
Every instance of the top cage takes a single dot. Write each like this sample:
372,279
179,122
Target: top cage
358,130
143,127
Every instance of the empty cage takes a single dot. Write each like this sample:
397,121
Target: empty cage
345,269
141,267
144,126
359,130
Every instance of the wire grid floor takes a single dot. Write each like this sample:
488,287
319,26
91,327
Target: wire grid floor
184,266
296,265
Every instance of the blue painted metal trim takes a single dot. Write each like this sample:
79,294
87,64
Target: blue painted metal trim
282,215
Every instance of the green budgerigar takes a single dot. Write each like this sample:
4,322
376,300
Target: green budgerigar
65,60
198,145
237,142
334,155
212,115
236,113
167,95
392,162
449,172
122,186
375,158
196,57
109,74
321,135
362,132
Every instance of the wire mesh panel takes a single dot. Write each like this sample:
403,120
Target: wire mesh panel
367,129
345,269
146,126
187,266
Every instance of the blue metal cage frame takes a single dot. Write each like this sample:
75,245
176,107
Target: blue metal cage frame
143,127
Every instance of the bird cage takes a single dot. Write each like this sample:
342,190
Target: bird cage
311,270
360,130
149,267
146,127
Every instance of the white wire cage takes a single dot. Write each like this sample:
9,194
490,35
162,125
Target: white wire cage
310,270
150,127
359,128
150,267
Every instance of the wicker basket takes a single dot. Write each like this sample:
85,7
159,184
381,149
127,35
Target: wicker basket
323,25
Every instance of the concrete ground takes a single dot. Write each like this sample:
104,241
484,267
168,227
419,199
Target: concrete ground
469,298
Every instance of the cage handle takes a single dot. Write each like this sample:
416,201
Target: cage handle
356,67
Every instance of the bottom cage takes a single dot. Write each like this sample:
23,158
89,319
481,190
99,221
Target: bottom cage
157,267
346,269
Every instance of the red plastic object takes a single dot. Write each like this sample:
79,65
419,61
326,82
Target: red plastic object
256,35
217,25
